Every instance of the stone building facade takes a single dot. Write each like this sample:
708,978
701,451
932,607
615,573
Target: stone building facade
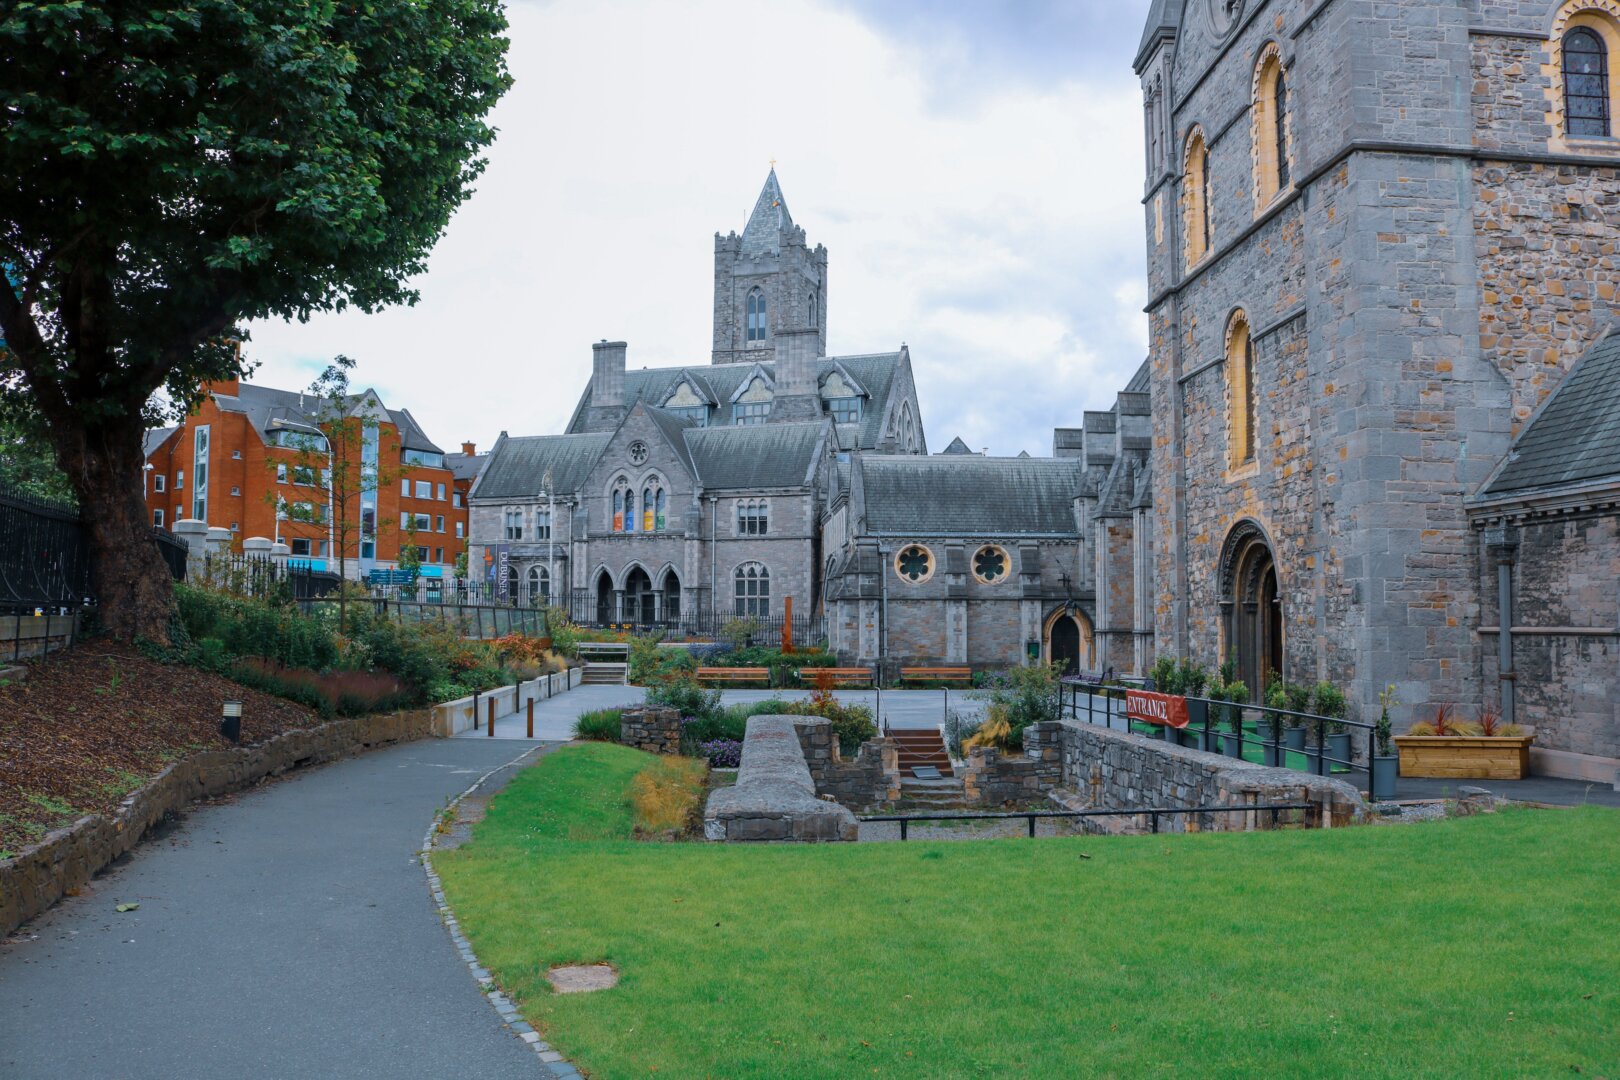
680,497
1379,235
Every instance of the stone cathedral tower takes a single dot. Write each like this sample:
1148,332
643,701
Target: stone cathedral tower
766,281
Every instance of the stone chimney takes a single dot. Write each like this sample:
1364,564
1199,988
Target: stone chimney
796,354
607,385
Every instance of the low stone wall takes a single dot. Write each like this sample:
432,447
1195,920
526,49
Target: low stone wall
1107,770
653,727
38,876
26,636
453,717
872,779
995,777
775,796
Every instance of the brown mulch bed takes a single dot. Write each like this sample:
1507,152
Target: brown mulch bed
93,723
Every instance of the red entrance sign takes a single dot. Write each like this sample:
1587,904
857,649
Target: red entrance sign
1151,708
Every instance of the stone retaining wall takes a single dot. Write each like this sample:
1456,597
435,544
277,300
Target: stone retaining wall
872,779
1107,770
994,777
68,858
654,728
775,796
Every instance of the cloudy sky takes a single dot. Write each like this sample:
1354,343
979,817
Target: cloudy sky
973,167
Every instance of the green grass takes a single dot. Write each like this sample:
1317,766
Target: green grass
1481,946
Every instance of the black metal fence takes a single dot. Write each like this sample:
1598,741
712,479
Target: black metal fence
1310,815
44,556
1279,738
263,577
481,621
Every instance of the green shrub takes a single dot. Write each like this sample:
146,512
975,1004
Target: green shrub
1029,695
851,723
601,725
685,696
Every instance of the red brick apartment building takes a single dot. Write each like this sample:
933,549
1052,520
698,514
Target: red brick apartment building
246,455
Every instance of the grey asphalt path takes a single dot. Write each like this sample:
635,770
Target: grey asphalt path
285,932
554,717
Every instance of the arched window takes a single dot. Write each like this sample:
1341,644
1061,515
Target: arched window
624,506
1242,393
1269,127
814,323
618,511
648,518
659,518
1195,198
756,315
752,590
539,586
1586,83
753,517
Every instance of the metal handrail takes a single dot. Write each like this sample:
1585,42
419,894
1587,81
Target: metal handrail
1153,812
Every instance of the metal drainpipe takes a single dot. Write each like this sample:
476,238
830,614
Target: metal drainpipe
1503,544
714,535
883,587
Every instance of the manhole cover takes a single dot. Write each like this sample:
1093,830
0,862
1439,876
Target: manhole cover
578,978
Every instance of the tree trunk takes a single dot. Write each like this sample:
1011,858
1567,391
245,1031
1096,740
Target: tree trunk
134,589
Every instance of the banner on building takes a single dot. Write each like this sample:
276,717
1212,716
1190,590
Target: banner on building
1147,707
498,563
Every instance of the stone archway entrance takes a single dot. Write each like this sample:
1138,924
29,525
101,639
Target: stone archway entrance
604,598
639,606
1251,601
1068,641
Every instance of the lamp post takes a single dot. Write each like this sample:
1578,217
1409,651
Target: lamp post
146,471
551,537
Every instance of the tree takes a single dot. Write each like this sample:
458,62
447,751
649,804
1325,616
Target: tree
27,464
169,172
347,450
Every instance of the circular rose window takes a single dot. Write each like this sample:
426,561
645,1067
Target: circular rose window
990,564
915,564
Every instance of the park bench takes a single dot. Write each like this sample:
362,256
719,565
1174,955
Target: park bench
842,676
758,675
936,674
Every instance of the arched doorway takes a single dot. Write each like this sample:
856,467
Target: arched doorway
639,606
1251,601
671,597
604,598
1068,641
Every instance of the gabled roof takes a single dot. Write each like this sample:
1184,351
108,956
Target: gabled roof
957,446
465,466
913,495
674,429
268,408
411,435
652,386
763,234
1163,21
1141,382
155,438
756,455
1575,436
517,467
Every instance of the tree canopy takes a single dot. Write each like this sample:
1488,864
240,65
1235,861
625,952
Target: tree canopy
171,171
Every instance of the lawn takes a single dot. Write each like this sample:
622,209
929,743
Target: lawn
1482,946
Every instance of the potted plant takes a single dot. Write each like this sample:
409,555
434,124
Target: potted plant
1381,780
1329,701
1235,693
1446,746
1299,701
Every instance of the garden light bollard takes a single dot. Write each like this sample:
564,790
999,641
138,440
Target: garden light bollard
531,718
230,721
491,731
475,710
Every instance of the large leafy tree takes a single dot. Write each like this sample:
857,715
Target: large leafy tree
169,171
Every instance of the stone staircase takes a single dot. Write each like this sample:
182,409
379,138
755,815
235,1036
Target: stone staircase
605,674
925,747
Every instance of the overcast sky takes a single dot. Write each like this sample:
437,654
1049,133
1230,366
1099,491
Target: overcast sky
974,169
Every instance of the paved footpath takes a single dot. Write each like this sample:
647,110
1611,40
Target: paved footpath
287,932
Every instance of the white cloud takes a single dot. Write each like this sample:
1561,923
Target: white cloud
1002,239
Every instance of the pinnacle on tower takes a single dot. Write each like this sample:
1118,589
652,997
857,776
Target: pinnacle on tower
764,231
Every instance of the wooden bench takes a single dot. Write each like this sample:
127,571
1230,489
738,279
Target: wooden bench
735,674
936,674
839,675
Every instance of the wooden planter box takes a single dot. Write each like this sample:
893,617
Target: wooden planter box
1470,756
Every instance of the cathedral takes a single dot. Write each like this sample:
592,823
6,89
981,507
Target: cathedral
1385,398
777,477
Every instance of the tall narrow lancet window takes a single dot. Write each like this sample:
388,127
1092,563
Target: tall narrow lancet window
618,511
659,520
1586,83
1242,395
1195,198
647,509
756,315
1250,419
1280,124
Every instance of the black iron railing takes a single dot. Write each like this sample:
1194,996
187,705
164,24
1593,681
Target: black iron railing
1280,738
44,556
1151,813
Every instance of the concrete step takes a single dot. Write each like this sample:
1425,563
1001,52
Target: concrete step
605,674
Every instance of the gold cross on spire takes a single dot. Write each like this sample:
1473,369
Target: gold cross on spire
773,164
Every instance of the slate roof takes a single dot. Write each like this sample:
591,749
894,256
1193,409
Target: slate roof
913,495
1141,382
763,233
754,456
957,447
518,466
1164,19
675,429
268,408
465,466
1575,436
155,438
874,371
411,435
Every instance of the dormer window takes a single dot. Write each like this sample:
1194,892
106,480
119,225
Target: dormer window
756,315
685,401
753,404
845,410
843,400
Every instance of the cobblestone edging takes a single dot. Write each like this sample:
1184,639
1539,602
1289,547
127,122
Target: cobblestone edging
41,874
552,1063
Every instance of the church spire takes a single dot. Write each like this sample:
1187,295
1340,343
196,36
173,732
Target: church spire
770,217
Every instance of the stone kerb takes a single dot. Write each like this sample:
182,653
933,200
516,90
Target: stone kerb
774,797
66,859
1114,770
870,780
655,728
993,777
